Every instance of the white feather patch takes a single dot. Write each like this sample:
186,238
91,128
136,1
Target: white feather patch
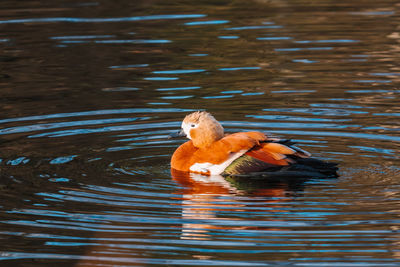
216,169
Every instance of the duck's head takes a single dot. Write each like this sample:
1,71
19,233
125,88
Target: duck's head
202,128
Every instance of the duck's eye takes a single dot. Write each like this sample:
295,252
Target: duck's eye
192,125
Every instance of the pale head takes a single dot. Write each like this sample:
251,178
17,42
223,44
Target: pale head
202,128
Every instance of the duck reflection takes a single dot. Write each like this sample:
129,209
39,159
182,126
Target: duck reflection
226,203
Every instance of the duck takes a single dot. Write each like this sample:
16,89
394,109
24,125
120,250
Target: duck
210,151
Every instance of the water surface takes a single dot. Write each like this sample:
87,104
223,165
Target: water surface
90,92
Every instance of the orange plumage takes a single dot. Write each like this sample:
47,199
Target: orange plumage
210,151
219,151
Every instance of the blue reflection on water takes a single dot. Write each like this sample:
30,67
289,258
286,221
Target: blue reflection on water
307,61
97,20
240,68
96,113
372,81
296,125
207,22
161,78
58,180
327,41
253,28
252,93
232,92
129,66
342,134
387,114
274,38
374,13
333,105
369,91
158,103
18,161
217,96
104,129
301,49
177,97
47,126
198,55
137,41
294,118
62,160
374,149
331,111
74,42
228,37
178,88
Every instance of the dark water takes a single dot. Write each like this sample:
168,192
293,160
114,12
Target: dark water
91,90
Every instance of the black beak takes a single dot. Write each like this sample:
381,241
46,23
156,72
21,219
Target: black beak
181,133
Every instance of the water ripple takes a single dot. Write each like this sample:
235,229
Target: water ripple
99,20
96,113
253,27
48,126
179,88
104,129
206,22
319,111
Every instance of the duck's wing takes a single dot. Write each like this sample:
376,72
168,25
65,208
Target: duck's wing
265,155
279,158
248,164
274,153
306,168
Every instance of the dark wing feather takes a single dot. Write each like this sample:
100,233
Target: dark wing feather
247,164
263,163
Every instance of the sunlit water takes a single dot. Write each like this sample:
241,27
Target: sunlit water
90,92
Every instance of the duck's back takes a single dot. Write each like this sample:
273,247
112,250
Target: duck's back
279,158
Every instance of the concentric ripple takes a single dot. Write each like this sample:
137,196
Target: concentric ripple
91,91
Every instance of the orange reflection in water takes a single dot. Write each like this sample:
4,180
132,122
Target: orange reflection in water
204,198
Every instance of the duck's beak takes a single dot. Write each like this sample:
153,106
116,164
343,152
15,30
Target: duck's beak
181,133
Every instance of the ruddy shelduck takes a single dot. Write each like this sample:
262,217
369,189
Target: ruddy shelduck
212,152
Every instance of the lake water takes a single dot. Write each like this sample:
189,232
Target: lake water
90,91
